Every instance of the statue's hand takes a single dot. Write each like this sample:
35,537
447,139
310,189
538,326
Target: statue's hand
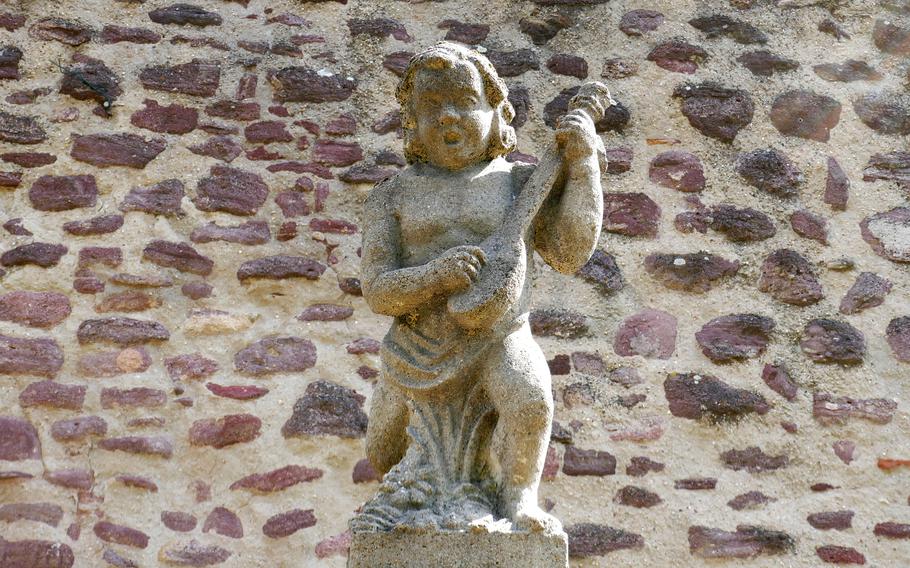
455,269
576,136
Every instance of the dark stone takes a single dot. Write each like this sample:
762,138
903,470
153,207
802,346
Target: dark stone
718,25
790,279
749,500
20,129
233,110
178,521
891,38
828,409
588,462
267,131
91,80
471,34
36,554
892,530
117,34
619,68
121,331
163,198
770,171
778,379
753,460
649,333
69,32
639,466
326,312
637,497
198,78
278,479
746,542
831,27
890,166
305,85
830,341
95,226
837,186
590,539
44,255
223,521
735,337
554,322
21,356
231,190
11,22
693,272
602,271
194,553
191,366
805,114
513,63
541,28
693,396
336,153
631,214
619,160
181,256
741,225
223,148
763,63
279,267
327,409
29,159
76,429
181,14
567,64
250,233
363,173
809,225
34,309
119,534
286,524
849,70
715,111
46,513
640,22
840,555
104,150
170,119
885,112
696,484
52,394
62,193
898,335
276,355
677,170
225,431
397,61
678,56
828,520
19,439
379,27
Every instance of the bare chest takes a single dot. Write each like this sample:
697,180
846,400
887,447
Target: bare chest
436,214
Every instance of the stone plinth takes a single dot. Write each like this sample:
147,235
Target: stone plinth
458,550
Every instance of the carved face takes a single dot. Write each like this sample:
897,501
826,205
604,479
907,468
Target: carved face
454,119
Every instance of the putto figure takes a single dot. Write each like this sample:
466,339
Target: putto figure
460,418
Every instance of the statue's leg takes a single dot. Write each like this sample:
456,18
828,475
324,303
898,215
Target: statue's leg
517,380
387,439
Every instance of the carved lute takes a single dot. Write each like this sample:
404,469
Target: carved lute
500,282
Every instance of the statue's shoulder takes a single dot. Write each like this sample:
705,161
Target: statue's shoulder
385,192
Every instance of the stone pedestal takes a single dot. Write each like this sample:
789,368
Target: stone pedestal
458,550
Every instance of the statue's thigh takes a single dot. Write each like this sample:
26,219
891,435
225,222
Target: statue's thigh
516,376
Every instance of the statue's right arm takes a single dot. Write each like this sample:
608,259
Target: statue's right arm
388,288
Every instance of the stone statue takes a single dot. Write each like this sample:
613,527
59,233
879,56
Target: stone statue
460,418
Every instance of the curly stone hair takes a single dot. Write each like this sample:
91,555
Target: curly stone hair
444,55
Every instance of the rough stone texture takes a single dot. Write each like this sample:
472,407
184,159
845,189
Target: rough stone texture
852,52
61,193
692,396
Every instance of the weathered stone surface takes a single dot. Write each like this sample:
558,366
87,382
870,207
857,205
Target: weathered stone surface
735,337
829,410
513,63
237,392
749,500
869,290
891,38
890,166
101,225
840,554
69,32
225,431
277,480
885,112
753,459
62,193
40,357
135,397
631,214
199,78
716,111
223,148
234,110
326,312
20,129
327,409
844,450
553,322
116,34
306,85
789,278
119,534
162,198
90,79
718,25
181,14
379,27
618,68
232,191
336,153
34,309
151,446
111,363
280,267
121,331
590,539
778,379
602,271
678,56
541,28
52,394
640,22
47,513
567,64
254,232
805,114
898,336
190,366
692,272
36,554
892,530
286,524
267,132
193,553
693,396
588,462
763,63
170,119
105,150
831,341
19,439
677,170
741,225
9,62
649,333
276,355
180,256
28,159
71,478
771,171
76,429
223,521
178,521
746,542
809,225
397,61
637,497
831,520
639,466
849,70
44,255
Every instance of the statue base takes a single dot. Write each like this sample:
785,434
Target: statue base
453,549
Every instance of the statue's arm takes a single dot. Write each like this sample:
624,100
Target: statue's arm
568,226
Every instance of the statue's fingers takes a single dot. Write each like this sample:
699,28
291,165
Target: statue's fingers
472,272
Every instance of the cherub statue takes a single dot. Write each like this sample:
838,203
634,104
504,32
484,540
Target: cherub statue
460,418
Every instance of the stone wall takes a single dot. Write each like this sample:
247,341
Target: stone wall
186,359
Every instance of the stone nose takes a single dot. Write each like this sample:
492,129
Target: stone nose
448,114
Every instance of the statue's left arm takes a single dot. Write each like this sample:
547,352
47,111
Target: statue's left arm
568,226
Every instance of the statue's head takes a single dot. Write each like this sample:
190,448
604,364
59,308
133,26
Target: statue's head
455,109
